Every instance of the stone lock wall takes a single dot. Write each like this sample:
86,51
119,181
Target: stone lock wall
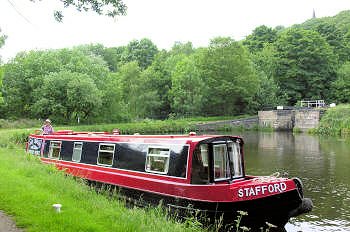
307,119
277,119
289,119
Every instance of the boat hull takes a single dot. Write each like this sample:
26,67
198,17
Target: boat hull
276,210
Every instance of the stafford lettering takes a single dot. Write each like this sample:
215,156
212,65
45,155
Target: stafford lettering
262,189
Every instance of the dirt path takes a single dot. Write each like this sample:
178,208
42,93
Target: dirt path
245,122
7,224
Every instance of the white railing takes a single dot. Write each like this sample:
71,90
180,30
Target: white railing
313,104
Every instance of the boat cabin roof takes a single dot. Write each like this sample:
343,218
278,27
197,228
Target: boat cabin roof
192,137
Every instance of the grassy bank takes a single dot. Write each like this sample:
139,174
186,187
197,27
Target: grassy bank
336,121
20,123
148,126
141,126
28,189
185,125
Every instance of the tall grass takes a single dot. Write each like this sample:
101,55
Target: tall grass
20,123
182,125
28,189
336,121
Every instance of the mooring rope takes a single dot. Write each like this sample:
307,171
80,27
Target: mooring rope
270,178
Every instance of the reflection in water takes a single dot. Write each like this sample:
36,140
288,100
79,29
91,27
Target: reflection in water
321,162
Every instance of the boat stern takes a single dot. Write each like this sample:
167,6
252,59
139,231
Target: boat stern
270,199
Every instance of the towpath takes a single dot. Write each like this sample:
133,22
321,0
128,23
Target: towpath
7,224
245,122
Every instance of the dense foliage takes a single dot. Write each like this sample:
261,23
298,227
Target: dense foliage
229,77
336,121
341,86
111,8
93,83
305,66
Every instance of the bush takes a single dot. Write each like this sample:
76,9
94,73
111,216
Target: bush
336,121
19,137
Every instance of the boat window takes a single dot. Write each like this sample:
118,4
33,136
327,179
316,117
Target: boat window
200,171
77,149
204,154
157,160
55,149
105,154
236,159
221,164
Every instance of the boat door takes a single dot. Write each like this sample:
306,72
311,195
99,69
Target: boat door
216,161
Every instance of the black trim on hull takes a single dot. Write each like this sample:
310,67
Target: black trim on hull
276,210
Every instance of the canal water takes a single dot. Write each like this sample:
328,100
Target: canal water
322,163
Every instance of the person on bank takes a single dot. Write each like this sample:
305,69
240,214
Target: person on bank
47,128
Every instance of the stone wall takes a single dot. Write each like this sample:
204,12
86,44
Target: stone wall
277,119
307,119
302,119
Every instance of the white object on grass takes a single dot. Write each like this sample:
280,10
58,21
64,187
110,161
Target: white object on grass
57,207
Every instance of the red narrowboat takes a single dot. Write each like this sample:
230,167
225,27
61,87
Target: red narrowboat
204,173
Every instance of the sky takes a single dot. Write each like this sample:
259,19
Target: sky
32,26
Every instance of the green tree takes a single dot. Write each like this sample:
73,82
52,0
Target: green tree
27,71
334,33
138,97
266,60
113,57
335,30
149,96
91,49
22,76
336,38
268,93
229,75
129,75
50,98
158,78
305,65
66,96
261,36
83,97
341,86
142,51
182,48
187,88
114,108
